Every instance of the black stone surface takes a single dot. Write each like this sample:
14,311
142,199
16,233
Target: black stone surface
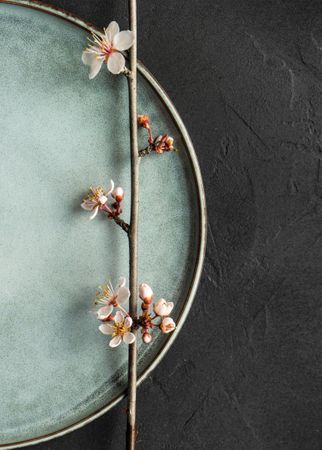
246,370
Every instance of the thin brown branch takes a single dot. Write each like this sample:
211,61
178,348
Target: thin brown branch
133,232
120,222
146,151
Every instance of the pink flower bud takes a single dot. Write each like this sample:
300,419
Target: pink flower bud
118,194
144,121
147,338
167,325
162,307
146,293
169,142
163,144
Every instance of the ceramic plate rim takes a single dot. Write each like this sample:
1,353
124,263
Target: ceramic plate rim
57,12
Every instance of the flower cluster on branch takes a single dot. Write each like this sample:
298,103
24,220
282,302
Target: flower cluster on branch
119,325
162,310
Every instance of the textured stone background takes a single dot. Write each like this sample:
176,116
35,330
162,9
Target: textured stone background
246,370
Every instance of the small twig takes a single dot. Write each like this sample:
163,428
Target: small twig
146,151
125,226
127,72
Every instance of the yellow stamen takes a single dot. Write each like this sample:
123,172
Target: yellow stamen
120,329
104,293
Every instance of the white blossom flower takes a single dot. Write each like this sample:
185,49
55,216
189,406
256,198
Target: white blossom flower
120,330
107,47
110,298
162,307
167,325
96,199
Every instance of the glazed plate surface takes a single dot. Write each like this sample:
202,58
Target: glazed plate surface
61,133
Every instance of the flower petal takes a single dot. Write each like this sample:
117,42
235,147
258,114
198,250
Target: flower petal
88,205
145,292
112,29
123,295
106,328
123,40
162,307
95,68
110,188
87,57
128,337
90,59
119,317
128,322
116,63
121,282
167,325
115,341
170,306
94,214
104,312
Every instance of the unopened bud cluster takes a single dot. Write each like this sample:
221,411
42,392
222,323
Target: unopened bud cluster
160,144
161,309
163,144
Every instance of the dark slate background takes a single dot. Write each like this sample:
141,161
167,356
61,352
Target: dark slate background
246,370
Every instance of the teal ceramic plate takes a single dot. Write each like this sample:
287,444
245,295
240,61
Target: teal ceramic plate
61,133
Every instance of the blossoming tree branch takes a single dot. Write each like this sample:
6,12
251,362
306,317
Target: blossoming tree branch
117,321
